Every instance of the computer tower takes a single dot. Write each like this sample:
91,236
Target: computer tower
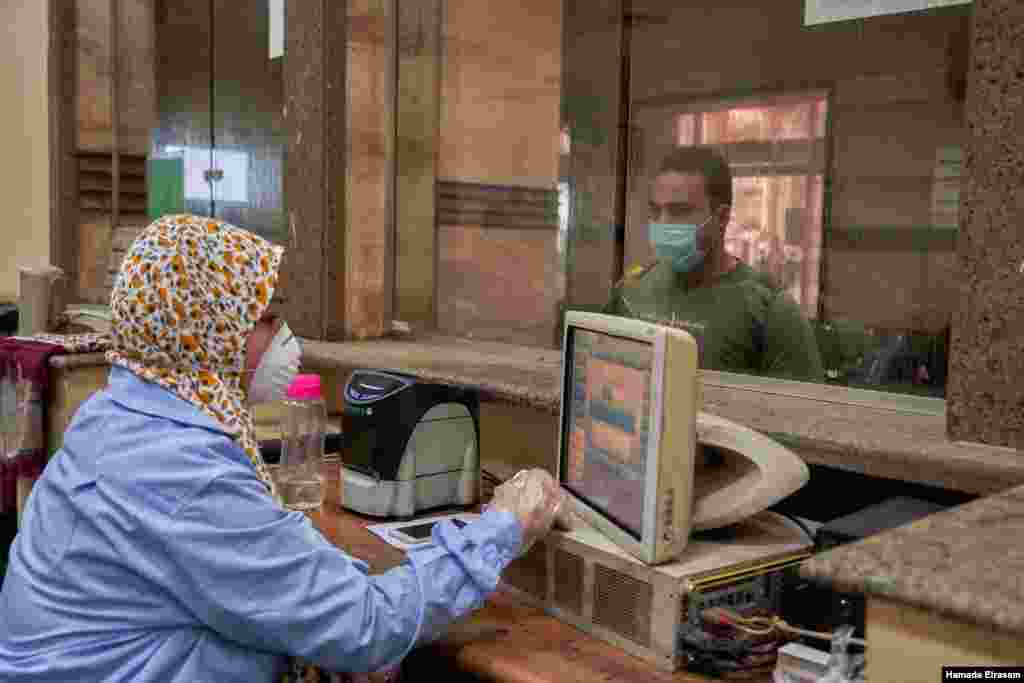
585,580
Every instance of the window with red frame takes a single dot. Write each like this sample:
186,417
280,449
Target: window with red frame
776,150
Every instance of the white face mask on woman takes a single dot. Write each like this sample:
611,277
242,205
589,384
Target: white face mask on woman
277,368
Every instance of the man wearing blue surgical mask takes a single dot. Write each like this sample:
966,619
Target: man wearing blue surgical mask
742,320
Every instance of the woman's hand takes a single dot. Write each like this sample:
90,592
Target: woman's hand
535,499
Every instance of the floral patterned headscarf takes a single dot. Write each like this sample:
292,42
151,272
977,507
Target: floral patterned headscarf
189,291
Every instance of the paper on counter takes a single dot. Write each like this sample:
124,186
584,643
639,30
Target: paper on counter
383,531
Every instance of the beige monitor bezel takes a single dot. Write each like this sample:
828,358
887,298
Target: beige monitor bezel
665,528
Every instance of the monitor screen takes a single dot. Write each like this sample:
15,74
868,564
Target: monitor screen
606,424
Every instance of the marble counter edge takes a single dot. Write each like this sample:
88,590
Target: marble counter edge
516,393
973,468
70,361
894,565
976,469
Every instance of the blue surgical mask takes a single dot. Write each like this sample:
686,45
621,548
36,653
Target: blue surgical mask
677,243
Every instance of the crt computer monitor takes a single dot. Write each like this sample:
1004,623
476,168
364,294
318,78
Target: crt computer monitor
628,430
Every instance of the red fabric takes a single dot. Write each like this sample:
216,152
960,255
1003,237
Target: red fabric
32,356
26,363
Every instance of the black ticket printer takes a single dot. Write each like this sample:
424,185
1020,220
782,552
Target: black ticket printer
410,446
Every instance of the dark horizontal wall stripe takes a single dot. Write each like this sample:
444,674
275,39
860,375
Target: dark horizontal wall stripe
460,188
497,206
891,238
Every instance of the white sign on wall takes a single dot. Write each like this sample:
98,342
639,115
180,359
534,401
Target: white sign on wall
824,11
276,28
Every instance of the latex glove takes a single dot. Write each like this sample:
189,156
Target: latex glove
566,519
535,499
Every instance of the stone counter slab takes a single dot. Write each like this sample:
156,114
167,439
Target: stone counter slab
966,563
871,433
517,374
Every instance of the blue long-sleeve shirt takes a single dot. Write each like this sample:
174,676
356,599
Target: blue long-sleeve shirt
149,551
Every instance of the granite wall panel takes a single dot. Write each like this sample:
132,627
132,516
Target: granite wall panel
307,151
986,392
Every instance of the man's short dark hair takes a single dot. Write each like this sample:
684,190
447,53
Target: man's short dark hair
703,161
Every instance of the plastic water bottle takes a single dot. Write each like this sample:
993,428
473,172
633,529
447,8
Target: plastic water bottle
303,428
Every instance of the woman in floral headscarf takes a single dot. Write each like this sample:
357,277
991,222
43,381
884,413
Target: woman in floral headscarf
153,547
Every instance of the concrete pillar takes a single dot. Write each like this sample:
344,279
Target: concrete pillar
417,132
339,166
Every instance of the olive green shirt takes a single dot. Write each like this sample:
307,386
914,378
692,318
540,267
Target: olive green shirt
742,322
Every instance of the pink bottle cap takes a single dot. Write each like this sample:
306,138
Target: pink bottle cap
305,388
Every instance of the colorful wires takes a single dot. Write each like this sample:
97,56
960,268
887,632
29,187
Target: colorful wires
764,626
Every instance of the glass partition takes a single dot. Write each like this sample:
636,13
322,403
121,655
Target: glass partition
843,143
